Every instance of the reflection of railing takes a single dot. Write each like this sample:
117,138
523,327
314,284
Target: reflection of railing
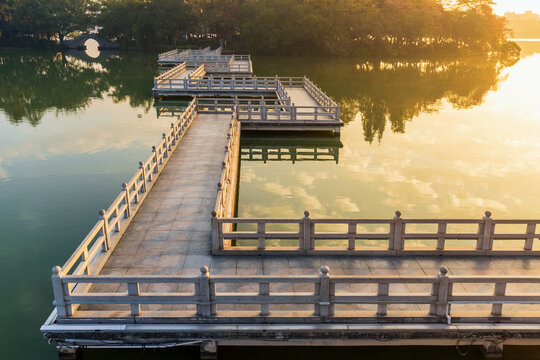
391,233
326,297
97,245
265,150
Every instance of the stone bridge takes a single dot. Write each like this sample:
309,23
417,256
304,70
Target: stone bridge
79,42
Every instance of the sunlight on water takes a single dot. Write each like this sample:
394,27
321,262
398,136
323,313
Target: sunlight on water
92,48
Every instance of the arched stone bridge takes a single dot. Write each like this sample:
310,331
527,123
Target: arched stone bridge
79,42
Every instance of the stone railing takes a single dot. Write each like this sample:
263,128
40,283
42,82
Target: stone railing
392,236
97,246
324,298
171,74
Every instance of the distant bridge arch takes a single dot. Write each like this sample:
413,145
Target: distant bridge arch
79,42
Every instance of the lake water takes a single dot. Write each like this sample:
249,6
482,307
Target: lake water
440,137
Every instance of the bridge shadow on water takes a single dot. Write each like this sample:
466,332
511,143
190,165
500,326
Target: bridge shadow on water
461,352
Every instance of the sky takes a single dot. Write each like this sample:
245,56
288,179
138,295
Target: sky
517,6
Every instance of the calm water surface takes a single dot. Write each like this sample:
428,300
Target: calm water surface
441,137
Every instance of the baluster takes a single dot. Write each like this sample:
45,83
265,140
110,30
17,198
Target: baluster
204,293
166,151
444,290
500,290
529,242
382,291
143,173
351,235
324,292
134,291
441,232
156,169
397,241
261,234
105,230
489,229
307,243
62,309
127,212
264,291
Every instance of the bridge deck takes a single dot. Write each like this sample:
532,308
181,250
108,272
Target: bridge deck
174,221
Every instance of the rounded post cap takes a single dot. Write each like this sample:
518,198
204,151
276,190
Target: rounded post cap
488,214
306,213
443,270
219,185
398,214
102,212
124,185
56,270
153,148
163,135
223,163
141,163
325,270
172,125
204,270
214,214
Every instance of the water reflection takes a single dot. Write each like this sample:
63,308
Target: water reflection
36,82
268,148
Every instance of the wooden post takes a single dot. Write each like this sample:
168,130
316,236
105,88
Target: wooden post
441,232
264,290
382,291
351,234
106,243
500,290
261,230
324,293
62,309
127,212
442,296
529,242
397,241
205,305
143,173
133,290
308,244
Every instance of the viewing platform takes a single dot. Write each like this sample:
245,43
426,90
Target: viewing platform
216,62
170,264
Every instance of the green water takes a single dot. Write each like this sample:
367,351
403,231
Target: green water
438,137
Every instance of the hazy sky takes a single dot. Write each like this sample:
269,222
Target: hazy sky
518,6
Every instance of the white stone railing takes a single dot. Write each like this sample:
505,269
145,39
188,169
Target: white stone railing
393,237
216,299
97,246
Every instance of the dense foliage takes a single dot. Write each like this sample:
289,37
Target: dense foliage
342,27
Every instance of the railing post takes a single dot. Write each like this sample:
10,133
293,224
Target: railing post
382,290
133,291
165,137
261,230
441,232
487,238
500,290
443,291
127,212
143,172
529,242
106,243
62,309
217,240
352,236
155,159
307,243
397,240
325,308
205,307
264,291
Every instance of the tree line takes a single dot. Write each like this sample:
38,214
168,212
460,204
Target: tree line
336,27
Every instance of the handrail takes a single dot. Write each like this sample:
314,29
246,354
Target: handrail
112,222
392,233
324,301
